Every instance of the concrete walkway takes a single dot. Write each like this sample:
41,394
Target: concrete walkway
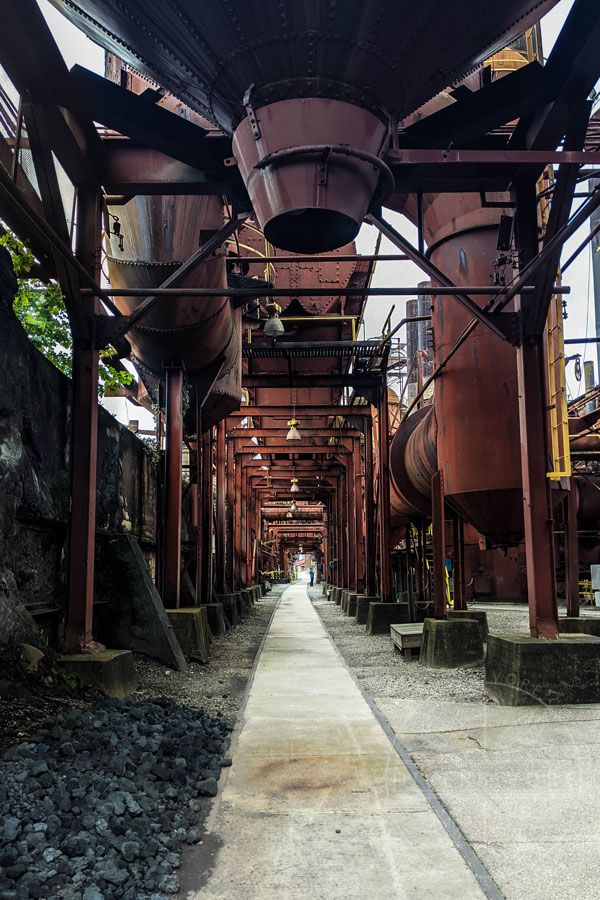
318,805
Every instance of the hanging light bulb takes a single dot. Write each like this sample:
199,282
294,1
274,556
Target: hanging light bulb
294,488
293,434
273,326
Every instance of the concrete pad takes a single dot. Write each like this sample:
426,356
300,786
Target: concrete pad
191,630
381,615
479,615
579,625
110,671
230,607
351,604
521,670
215,615
317,802
363,602
448,643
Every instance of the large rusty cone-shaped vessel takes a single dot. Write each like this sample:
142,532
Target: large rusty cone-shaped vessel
308,89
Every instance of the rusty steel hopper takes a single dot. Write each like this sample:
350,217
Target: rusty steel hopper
308,90
160,233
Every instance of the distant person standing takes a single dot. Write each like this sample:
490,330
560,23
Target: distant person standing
312,577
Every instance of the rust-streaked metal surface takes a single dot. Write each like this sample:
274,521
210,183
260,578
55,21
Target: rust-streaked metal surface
310,200
160,233
476,398
209,54
307,91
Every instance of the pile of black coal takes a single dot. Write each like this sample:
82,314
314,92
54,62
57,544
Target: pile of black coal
100,803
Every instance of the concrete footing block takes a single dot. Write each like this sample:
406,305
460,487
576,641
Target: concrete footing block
449,643
325,586
351,604
579,625
337,595
344,601
191,629
526,671
229,607
215,615
363,601
478,614
110,671
382,615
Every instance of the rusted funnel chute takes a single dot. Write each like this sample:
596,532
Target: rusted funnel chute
306,88
312,169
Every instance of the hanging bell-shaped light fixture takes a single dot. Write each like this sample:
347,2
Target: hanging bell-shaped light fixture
293,434
273,326
293,507
289,514
294,488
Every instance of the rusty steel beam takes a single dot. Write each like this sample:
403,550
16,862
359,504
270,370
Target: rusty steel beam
286,448
439,544
250,293
302,380
459,598
313,431
537,505
220,510
384,494
205,576
491,157
84,447
283,412
432,271
370,535
133,170
229,524
572,550
173,488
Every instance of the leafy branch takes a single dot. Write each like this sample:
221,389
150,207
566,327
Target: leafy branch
42,312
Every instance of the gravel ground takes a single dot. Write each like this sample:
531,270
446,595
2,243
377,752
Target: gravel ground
99,798
217,687
383,671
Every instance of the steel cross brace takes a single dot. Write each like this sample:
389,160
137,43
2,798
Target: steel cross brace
111,329
496,325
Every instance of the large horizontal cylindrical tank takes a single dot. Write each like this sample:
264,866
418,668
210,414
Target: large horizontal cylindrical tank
308,89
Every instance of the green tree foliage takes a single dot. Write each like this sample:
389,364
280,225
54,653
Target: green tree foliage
44,318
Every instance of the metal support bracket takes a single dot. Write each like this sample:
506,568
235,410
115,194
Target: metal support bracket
251,114
510,325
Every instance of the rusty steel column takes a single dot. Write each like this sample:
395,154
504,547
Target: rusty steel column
352,523
343,517
206,517
409,579
335,522
572,551
358,515
84,440
537,509
370,536
237,523
229,518
385,591
439,545
220,511
196,492
173,487
459,562
243,516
